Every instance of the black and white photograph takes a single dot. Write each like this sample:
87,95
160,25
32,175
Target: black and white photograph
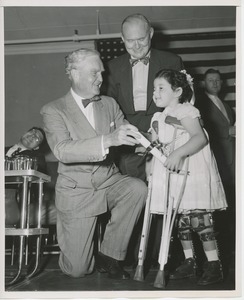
121,134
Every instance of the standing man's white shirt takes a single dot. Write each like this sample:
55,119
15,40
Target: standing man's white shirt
140,79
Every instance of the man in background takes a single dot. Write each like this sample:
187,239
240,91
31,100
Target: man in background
28,146
219,121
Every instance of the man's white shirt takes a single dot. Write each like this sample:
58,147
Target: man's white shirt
140,78
89,114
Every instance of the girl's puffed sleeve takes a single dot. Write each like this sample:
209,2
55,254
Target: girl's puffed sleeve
187,110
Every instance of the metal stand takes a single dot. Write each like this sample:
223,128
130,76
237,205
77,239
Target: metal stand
26,178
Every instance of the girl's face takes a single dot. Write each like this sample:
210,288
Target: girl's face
163,94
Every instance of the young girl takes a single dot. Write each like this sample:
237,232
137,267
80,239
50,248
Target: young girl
203,190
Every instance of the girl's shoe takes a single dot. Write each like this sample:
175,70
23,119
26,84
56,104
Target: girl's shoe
187,269
213,273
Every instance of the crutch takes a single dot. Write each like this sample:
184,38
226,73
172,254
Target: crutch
168,223
139,274
169,215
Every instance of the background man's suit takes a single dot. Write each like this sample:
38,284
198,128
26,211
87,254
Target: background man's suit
120,87
86,180
223,146
221,142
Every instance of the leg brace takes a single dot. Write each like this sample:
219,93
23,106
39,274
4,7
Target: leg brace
201,223
184,228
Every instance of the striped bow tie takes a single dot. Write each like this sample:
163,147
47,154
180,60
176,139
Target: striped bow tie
144,60
85,102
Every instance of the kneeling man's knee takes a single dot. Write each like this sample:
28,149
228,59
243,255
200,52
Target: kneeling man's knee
75,270
139,189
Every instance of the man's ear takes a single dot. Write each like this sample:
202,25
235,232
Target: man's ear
122,38
74,74
151,32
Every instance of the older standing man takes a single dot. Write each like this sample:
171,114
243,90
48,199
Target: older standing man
80,134
130,83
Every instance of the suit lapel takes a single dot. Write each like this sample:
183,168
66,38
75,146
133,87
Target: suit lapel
153,69
217,112
126,85
78,118
101,118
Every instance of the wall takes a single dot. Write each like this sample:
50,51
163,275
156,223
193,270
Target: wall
199,52
32,80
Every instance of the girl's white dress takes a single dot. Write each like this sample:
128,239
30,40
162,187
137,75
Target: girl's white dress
204,189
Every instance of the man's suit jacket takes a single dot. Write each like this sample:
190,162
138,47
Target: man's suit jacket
84,173
119,84
217,126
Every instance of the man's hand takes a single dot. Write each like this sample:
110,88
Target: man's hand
124,135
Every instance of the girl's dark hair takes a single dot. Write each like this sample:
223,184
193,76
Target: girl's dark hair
177,79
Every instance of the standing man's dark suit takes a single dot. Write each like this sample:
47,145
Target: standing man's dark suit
130,83
121,89
218,119
120,84
222,143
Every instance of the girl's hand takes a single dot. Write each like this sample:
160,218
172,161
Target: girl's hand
174,161
197,141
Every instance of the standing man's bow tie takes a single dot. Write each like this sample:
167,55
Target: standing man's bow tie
87,101
145,60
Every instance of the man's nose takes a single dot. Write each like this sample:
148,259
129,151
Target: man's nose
100,77
137,44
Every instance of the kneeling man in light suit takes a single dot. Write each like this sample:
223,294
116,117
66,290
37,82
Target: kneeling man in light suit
81,133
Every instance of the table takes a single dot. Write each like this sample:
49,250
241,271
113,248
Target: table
27,178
